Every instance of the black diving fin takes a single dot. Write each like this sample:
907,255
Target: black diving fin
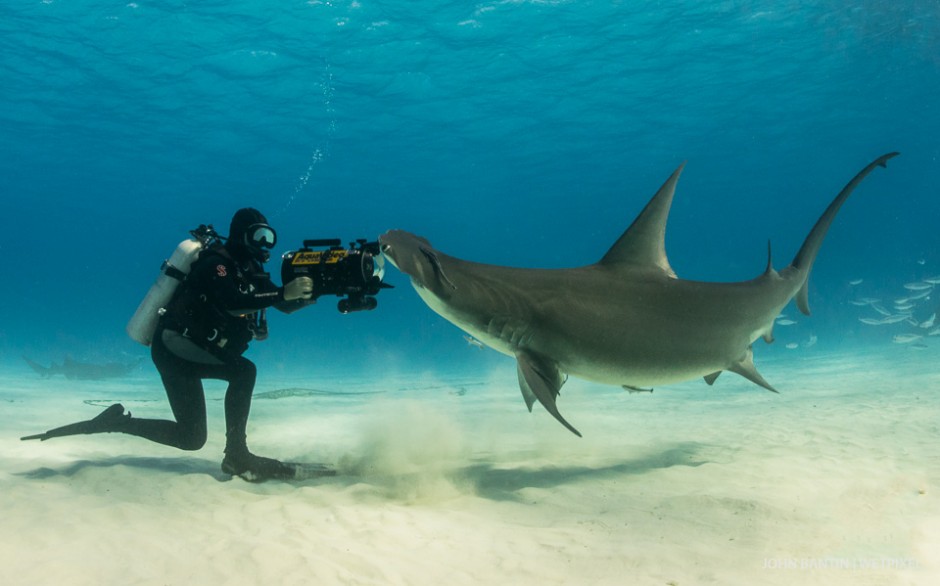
111,419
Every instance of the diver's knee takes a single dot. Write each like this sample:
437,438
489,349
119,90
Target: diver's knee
193,440
249,370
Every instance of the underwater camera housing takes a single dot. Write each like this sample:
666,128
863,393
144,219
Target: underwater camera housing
354,273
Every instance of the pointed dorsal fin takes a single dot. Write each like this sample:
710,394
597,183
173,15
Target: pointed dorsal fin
643,245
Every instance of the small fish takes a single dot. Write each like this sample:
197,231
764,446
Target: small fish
933,280
471,341
785,322
860,302
922,295
811,342
792,346
893,319
921,261
888,319
855,282
918,346
929,322
934,332
904,306
906,338
877,307
917,286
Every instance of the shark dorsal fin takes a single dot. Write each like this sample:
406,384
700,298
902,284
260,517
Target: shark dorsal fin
643,245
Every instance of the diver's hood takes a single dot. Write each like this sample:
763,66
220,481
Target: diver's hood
250,236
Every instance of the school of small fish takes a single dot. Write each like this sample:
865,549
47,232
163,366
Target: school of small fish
914,311
908,310
783,320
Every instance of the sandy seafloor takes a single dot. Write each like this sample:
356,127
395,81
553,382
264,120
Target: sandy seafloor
448,480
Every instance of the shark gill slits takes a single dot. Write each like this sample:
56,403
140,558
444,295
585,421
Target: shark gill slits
438,269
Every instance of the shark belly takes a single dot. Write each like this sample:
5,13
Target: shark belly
627,356
657,332
619,344
645,333
503,334
667,333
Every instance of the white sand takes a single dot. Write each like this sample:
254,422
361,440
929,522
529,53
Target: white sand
835,481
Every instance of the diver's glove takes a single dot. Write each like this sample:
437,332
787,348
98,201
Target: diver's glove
299,288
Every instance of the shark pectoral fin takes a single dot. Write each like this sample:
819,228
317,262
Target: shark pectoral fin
539,378
527,395
745,367
711,378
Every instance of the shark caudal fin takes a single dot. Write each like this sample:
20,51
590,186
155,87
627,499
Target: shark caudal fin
803,262
43,371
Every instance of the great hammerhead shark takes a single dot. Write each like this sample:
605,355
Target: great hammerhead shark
626,320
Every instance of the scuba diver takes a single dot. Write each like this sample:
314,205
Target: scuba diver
216,310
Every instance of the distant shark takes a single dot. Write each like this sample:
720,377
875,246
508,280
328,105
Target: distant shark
627,320
74,370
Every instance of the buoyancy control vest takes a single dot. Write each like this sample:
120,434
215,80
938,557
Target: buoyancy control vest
195,314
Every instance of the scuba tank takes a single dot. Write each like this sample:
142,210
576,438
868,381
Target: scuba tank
143,324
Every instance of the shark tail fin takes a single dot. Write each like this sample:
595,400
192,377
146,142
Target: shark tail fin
43,371
803,262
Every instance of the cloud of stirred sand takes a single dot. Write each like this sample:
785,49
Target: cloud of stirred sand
410,451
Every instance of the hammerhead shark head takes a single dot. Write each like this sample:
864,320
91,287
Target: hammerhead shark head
626,320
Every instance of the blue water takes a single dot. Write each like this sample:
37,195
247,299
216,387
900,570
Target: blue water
526,133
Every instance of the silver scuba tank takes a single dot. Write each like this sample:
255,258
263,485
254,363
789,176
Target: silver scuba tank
143,324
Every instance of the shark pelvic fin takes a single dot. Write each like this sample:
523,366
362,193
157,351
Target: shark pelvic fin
643,245
745,367
711,378
540,379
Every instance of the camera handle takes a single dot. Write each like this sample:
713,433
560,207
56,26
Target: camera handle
331,242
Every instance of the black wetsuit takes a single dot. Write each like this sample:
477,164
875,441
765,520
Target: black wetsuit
207,327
